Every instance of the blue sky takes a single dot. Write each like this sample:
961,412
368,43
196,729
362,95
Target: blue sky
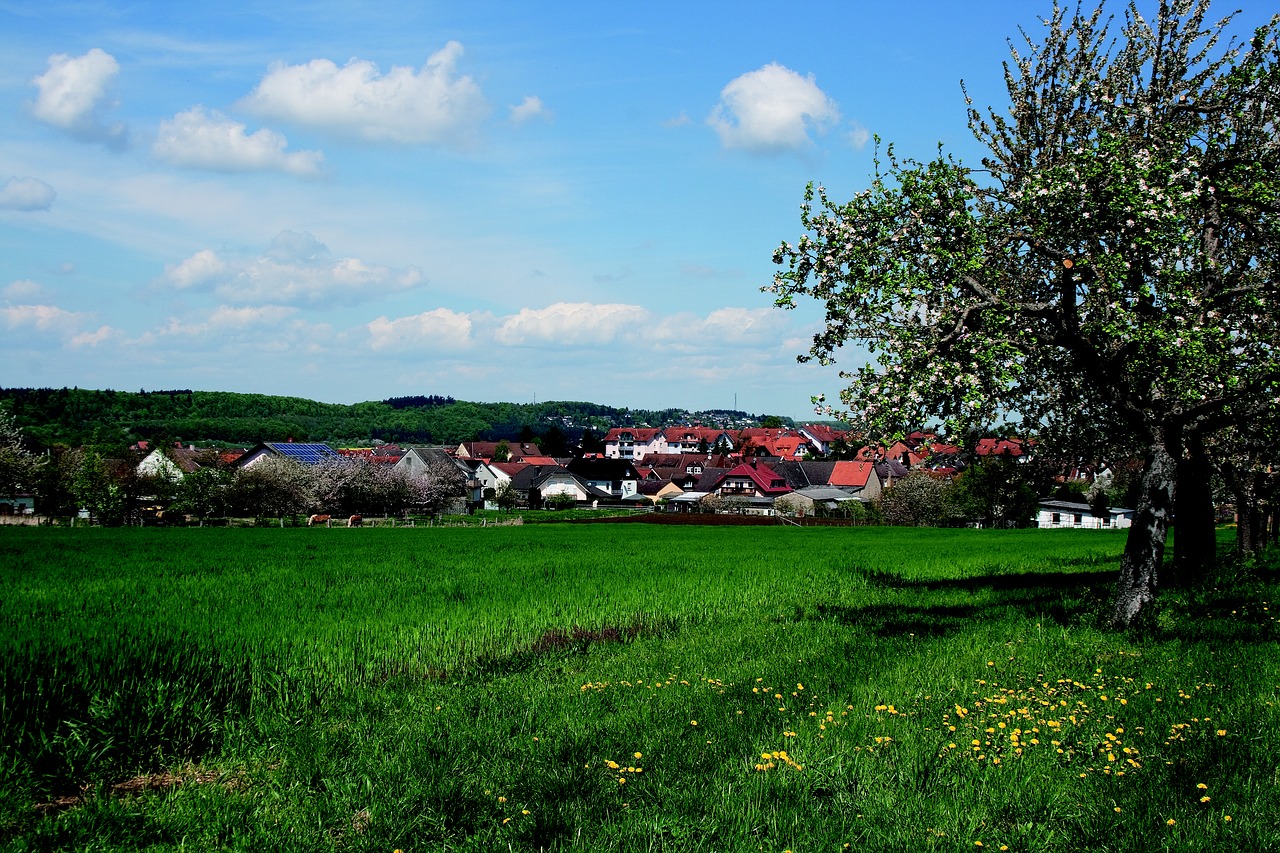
493,201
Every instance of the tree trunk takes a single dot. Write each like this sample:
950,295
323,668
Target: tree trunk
1244,524
1144,549
1194,536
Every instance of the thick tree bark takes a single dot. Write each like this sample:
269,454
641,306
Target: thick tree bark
1194,536
1144,549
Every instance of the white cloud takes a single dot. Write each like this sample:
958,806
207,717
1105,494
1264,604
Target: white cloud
72,95
210,140
430,105
771,109
22,289
43,318
240,317
572,324
439,329
859,136
227,319
745,325
26,194
530,108
204,266
93,339
296,269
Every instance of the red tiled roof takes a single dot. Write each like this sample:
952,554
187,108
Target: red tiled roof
852,474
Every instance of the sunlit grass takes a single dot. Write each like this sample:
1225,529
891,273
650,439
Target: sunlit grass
739,689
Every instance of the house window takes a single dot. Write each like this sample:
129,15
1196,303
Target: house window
1079,518
1056,518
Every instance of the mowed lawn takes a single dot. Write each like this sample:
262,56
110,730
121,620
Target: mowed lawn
625,687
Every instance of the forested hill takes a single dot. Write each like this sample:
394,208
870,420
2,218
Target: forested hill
74,416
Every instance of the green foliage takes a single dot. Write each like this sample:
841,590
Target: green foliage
917,500
114,419
95,490
998,493
203,493
506,497
559,501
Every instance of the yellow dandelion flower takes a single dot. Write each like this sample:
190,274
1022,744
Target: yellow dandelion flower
1204,799
1227,818
638,755
1116,810
1222,732
1202,786
502,799
1170,822
693,722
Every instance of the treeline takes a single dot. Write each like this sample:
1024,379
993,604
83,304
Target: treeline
75,417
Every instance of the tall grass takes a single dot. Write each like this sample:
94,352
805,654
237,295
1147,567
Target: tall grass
473,689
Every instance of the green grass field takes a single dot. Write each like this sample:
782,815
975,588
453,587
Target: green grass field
623,687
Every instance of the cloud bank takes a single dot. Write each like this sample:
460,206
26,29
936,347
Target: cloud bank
296,269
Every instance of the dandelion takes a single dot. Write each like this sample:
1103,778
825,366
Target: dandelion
1170,822
1226,818
639,755
524,811
1222,732
1204,799
693,722
1202,786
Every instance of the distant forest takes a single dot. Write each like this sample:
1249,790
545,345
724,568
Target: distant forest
75,416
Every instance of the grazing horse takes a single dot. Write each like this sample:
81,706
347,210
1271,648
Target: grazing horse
318,519
355,521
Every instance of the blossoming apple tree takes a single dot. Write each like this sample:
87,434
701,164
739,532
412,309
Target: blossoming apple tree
1115,259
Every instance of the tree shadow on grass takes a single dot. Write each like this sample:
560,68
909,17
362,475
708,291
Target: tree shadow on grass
943,606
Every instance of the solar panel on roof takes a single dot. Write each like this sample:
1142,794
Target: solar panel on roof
308,454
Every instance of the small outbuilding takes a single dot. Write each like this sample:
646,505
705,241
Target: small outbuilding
1067,514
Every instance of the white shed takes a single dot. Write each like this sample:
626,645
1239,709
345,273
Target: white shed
1067,514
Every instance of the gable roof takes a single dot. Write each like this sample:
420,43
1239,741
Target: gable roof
486,449
822,432
604,469
302,452
852,474
765,479
641,435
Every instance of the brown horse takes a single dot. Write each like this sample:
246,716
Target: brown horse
355,521
318,519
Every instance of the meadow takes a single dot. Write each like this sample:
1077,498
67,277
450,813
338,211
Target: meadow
625,687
